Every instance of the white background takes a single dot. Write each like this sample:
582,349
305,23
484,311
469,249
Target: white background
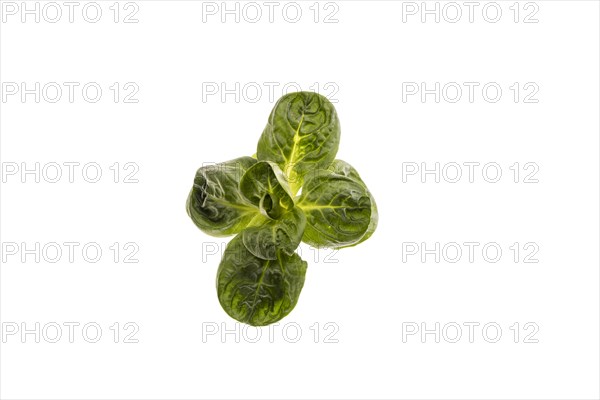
369,294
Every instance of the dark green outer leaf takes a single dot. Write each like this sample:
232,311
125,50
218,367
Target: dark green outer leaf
215,203
340,211
303,132
256,291
343,168
284,234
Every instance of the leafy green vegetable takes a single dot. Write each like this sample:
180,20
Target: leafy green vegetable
215,203
303,133
260,276
339,209
258,291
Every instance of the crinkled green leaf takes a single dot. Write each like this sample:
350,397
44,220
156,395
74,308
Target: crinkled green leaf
265,186
340,210
343,168
256,291
283,234
215,203
302,133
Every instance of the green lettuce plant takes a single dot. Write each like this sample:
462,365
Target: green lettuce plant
292,190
